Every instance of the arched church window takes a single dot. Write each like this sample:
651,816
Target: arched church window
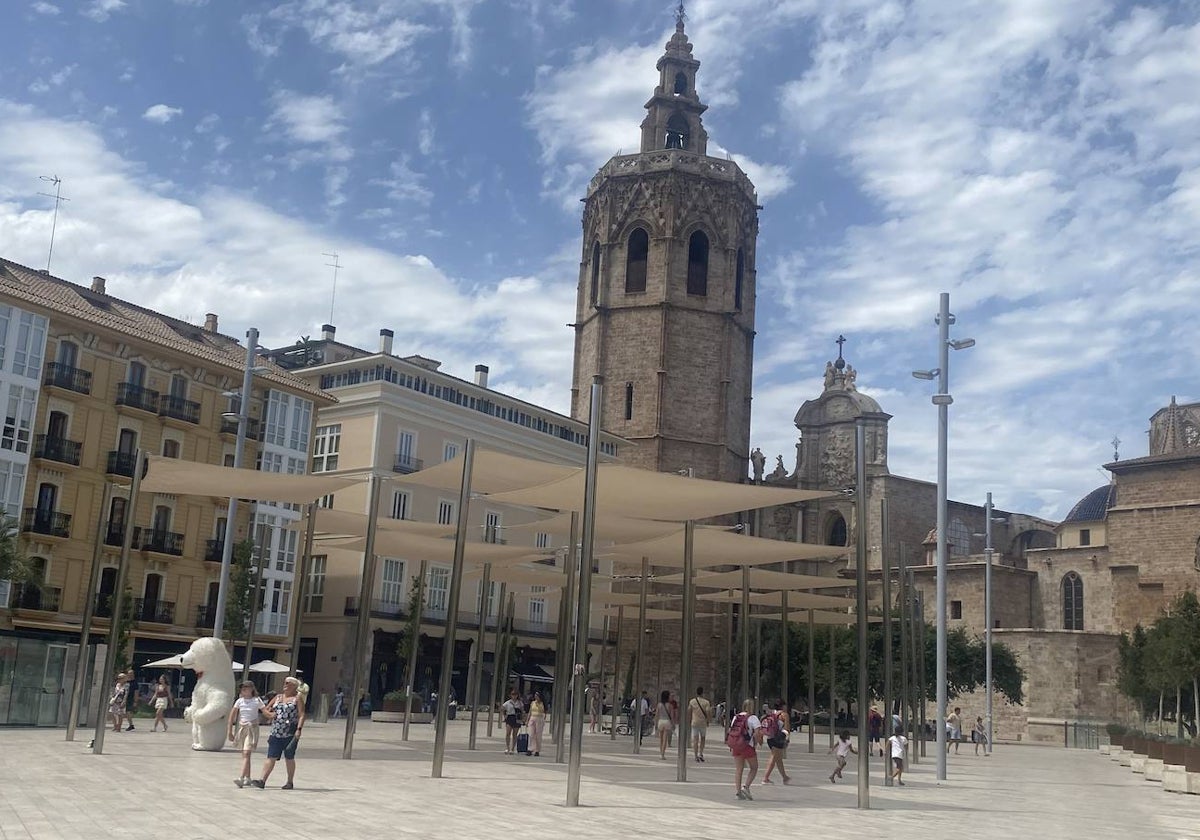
835,531
1072,588
594,290
636,253
959,537
697,271
628,400
678,132
680,83
738,279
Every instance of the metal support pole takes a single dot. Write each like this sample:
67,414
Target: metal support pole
414,645
604,633
942,400
905,620
987,617
477,673
641,635
118,606
923,685
730,707
783,671
506,641
832,684
860,542
89,611
445,679
812,683
757,666
686,645
497,686
264,550
362,629
616,698
885,562
562,676
744,618
300,590
231,510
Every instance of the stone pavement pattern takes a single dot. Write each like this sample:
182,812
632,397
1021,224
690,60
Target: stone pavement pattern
151,785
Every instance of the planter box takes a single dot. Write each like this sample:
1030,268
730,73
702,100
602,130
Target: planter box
398,717
1174,754
1193,783
1137,763
1104,749
1137,745
1174,779
1191,759
1125,759
1154,770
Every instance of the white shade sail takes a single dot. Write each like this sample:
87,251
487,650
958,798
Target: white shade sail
796,600
608,528
631,599
341,522
657,614
532,575
412,546
822,618
715,547
491,472
764,579
189,478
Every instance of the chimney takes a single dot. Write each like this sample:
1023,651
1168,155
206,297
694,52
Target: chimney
98,285
210,322
481,375
385,342
327,332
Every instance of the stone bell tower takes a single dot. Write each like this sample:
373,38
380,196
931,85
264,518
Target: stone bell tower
665,307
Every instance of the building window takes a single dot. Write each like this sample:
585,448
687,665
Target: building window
391,591
315,597
68,353
326,444
1072,587
956,609
739,279
400,504
449,451
406,451
31,343
492,527
1085,536
275,428
678,132
836,530
5,320
537,606
697,270
594,288
681,83
542,540
637,253
18,419
445,512
628,400
170,448
12,486
301,420
959,538
275,619
136,375
326,502
439,586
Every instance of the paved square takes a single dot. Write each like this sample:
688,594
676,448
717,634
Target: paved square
152,785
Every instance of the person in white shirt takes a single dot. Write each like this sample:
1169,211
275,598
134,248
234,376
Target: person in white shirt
701,712
243,727
898,744
514,713
954,729
843,748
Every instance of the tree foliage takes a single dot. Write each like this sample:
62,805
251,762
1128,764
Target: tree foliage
239,597
14,563
412,623
121,656
1164,661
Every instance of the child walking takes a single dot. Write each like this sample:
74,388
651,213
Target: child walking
979,736
843,748
897,744
243,727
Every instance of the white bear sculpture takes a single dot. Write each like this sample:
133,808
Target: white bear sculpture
213,695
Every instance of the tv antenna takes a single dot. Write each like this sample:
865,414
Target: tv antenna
335,265
58,199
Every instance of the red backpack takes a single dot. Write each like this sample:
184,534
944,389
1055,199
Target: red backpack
739,731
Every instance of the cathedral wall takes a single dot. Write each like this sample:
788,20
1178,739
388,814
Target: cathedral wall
1012,596
1161,539
1093,565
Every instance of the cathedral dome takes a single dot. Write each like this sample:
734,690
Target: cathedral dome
1094,506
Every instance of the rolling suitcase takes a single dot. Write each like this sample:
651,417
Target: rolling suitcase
523,741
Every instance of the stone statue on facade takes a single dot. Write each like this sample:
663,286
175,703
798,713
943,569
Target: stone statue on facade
780,470
851,376
758,461
829,374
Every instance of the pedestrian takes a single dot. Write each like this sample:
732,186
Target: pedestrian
701,712
979,736
116,700
719,714
243,727
162,700
664,722
745,733
537,722
843,748
898,744
954,729
876,723
775,729
286,713
131,698
594,708
674,704
513,710
339,702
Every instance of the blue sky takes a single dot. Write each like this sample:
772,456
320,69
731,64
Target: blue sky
1036,158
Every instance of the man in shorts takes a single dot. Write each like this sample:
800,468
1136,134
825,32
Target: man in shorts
954,729
701,712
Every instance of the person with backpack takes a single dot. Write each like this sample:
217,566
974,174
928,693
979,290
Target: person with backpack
775,729
745,733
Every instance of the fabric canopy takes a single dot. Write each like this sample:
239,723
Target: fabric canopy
189,478
643,494
331,521
652,614
820,617
491,472
631,599
796,600
533,575
764,579
715,547
608,528
410,546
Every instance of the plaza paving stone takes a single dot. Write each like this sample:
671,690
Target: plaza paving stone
152,785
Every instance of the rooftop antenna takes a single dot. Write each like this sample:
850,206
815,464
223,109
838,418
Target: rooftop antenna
58,198
335,265
1116,445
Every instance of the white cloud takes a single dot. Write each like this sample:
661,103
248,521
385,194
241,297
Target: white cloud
161,114
100,10
425,132
207,124
44,8
404,183
311,121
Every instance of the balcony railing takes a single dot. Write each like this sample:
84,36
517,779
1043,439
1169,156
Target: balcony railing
162,542
379,609
48,522
213,550
158,612
27,597
59,375
114,533
179,408
104,605
206,617
121,463
407,463
57,449
135,396
229,427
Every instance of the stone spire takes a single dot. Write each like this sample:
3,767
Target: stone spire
673,121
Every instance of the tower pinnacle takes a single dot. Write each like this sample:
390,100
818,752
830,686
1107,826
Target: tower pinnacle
673,121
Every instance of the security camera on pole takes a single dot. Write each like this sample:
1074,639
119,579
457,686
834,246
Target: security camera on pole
942,400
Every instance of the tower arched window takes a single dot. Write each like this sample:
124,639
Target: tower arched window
739,279
594,288
679,133
1072,592
697,270
681,83
835,530
636,254
628,400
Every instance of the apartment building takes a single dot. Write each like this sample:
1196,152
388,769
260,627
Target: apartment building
394,416
88,379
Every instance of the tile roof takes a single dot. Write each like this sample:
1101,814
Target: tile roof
33,289
1094,506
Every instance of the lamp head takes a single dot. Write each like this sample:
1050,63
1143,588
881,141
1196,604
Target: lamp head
927,375
962,343
230,415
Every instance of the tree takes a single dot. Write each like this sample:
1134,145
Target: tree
412,625
14,564
1131,667
121,659
239,598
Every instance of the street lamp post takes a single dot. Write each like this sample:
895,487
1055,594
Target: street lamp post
987,617
942,400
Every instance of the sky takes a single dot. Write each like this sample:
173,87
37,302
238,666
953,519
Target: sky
1037,159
